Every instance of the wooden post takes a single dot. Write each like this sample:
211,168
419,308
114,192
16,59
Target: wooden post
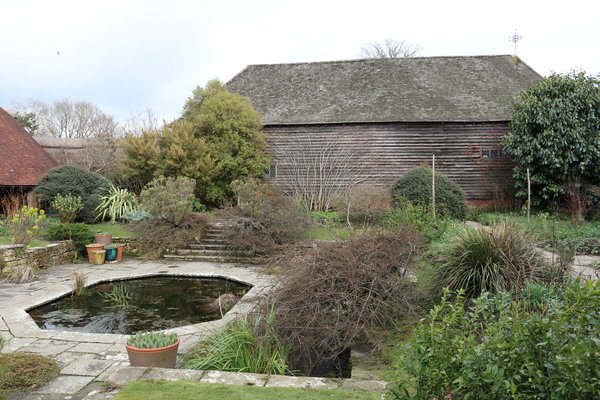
433,185
528,196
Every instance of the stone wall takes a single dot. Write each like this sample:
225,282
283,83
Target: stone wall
16,255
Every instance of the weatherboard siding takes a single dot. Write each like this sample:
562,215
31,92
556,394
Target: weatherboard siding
389,149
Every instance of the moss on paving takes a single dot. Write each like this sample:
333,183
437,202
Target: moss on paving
24,371
154,390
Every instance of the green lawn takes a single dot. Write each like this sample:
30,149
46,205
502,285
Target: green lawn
545,227
117,230
151,390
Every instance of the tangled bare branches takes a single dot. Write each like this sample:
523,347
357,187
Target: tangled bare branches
342,291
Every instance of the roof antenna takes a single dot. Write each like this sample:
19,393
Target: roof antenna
515,38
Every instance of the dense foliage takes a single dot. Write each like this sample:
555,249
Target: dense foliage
218,141
116,203
67,207
80,234
504,349
169,199
554,133
25,224
75,180
500,258
415,186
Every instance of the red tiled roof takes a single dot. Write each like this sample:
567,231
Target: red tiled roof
23,161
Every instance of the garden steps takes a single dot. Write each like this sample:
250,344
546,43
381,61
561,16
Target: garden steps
213,247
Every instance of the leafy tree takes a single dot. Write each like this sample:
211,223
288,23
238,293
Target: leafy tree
555,132
27,120
231,129
141,158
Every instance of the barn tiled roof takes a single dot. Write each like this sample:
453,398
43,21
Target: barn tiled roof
22,160
421,89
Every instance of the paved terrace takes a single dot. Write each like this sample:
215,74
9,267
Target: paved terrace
88,359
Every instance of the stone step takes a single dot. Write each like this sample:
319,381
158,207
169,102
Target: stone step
214,259
209,246
217,253
212,241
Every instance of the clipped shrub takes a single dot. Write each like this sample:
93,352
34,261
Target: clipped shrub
501,258
75,180
169,199
67,207
25,372
501,348
250,196
341,291
415,186
80,234
116,203
136,216
25,224
245,345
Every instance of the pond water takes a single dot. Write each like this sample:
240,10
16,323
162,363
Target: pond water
135,305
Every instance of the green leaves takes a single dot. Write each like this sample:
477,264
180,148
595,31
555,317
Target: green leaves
152,340
555,133
116,203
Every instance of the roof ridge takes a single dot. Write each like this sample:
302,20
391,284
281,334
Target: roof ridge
357,60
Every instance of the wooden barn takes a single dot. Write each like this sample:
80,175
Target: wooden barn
380,117
23,162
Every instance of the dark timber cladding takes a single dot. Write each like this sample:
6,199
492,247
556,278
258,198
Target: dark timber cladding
396,113
468,153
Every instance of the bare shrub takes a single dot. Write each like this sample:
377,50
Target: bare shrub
364,205
341,291
575,202
12,203
156,236
264,228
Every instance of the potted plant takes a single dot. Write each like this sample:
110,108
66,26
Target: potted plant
111,252
97,257
152,349
91,248
104,238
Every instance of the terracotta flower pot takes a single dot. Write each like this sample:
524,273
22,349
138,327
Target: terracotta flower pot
163,357
91,247
120,251
98,257
104,238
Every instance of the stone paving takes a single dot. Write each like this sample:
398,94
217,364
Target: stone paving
86,358
95,366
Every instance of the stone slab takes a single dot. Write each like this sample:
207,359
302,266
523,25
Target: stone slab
48,347
16,344
125,375
67,357
360,385
91,347
232,378
89,367
169,374
66,384
301,382
103,377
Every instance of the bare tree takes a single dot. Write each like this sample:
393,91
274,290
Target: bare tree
391,48
316,168
67,119
138,122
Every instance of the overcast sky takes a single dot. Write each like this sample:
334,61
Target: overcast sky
126,56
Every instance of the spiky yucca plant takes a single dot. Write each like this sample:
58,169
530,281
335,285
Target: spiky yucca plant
116,203
501,258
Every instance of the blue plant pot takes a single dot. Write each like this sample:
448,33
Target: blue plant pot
111,254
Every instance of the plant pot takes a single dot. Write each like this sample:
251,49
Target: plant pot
163,357
98,257
111,252
104,238
120,251
91,247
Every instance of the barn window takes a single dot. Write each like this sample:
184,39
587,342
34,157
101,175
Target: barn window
271,172
493,153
